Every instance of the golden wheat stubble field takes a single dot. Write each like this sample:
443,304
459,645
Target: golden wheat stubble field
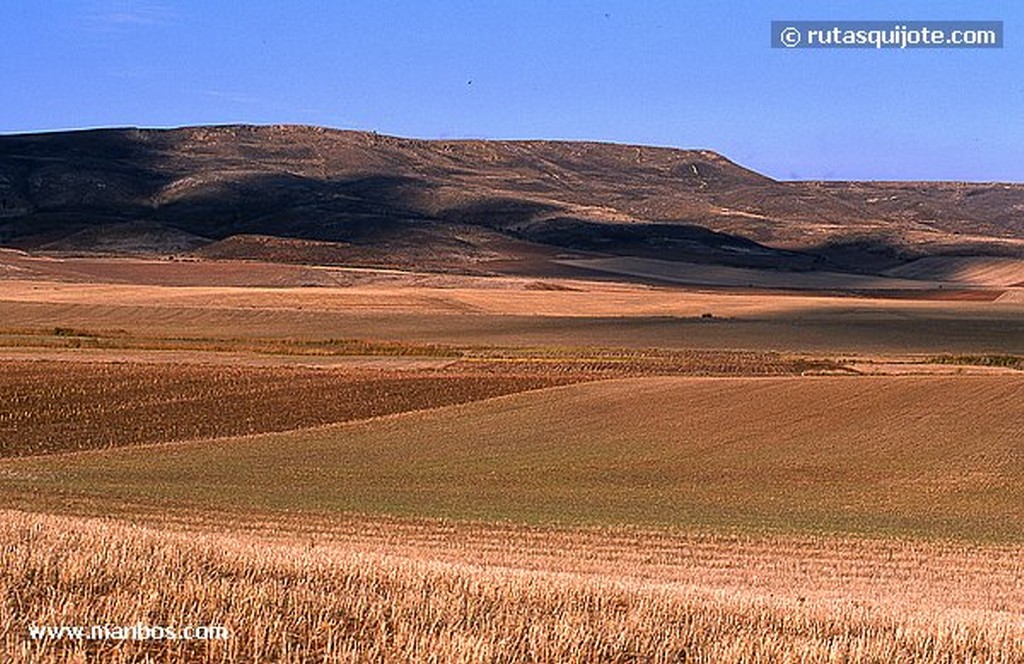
387,591
604,516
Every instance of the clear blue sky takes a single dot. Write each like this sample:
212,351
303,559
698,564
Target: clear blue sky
676,72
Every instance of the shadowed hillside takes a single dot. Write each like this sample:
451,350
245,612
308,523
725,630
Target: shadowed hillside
307,194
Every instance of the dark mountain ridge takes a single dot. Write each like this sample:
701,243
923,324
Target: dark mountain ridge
367,198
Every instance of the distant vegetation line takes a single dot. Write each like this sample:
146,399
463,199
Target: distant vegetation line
1008,361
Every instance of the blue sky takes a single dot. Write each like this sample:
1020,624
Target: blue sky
682,73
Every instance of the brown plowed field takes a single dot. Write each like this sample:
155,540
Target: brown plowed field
50,406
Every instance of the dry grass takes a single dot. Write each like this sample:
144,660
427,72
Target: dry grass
491,595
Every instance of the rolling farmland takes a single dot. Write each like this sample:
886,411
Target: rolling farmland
396,465
868,455
456,311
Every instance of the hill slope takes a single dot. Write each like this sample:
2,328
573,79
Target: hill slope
456,204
